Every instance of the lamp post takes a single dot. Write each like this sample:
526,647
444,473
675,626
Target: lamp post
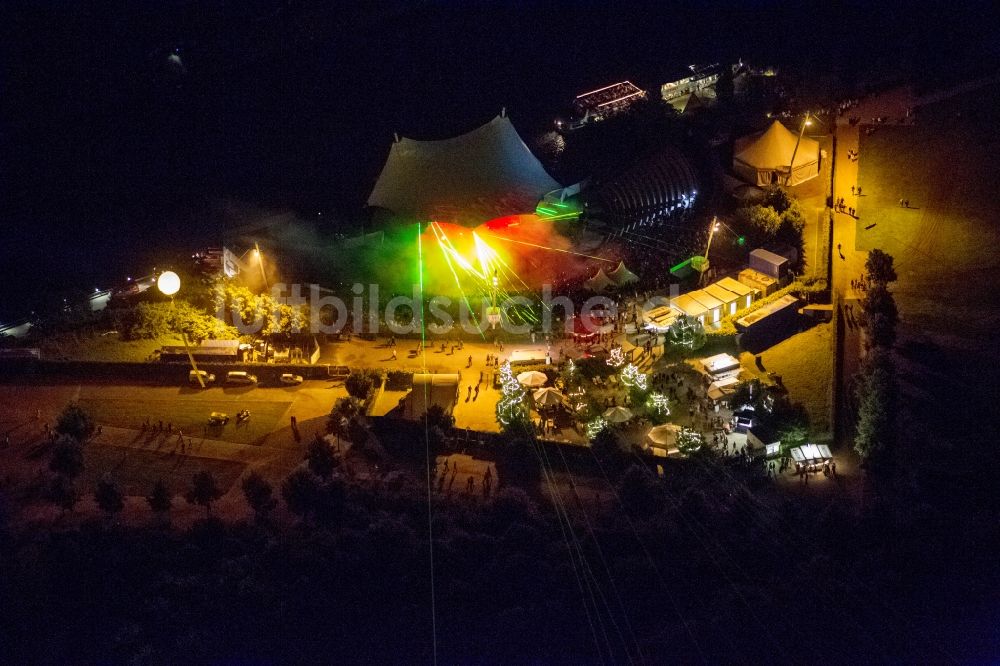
702,266
169,283
260,262
805,122
494,313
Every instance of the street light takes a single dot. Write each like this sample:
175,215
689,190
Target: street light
493,314
260,262
169,283
702,266
805,123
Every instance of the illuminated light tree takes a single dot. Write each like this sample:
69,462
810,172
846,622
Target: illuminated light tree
596,426
632,377
660,403
617,358
689,441
510,406
687,332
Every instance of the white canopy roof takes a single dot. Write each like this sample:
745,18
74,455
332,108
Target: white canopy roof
617,414
773,149
483,174
622,275
532,379
599,282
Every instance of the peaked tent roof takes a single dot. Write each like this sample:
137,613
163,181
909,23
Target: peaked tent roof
599,282
773,149
622,275
686,103
483,174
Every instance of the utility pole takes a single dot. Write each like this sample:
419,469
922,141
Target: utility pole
260,262
805,121
711,235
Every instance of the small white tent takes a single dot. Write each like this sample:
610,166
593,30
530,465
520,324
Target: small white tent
599,282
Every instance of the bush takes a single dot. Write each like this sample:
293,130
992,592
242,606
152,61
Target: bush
360,383
398,380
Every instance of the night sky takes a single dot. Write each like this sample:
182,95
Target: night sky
116,156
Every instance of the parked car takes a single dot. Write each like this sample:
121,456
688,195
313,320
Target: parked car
240,377
288,379
218,418
206,377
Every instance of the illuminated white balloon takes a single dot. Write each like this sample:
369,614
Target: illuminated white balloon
168,283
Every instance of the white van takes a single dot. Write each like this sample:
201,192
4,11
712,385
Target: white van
206,377
240,377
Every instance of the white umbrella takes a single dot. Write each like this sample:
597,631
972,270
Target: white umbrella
617,415
664,435
548,397
532,378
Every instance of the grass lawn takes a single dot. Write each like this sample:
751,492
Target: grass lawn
190,415
85,347
805,364
137,470
947,251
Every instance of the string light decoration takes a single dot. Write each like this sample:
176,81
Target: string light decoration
660,403
617,358
511,402
689,441
632,377
687,332
596,426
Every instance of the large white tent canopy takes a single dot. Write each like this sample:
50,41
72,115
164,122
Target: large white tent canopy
483,174
762,159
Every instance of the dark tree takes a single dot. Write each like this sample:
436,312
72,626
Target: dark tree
879,267
300,490
748,394
259,495
358,433
109,497
518,462
437,417
777,198
159,499
330,500
204,491
344,410
320,458
75,422
877,394
607,445
880,315
67,457
636,491
360,383
62,493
